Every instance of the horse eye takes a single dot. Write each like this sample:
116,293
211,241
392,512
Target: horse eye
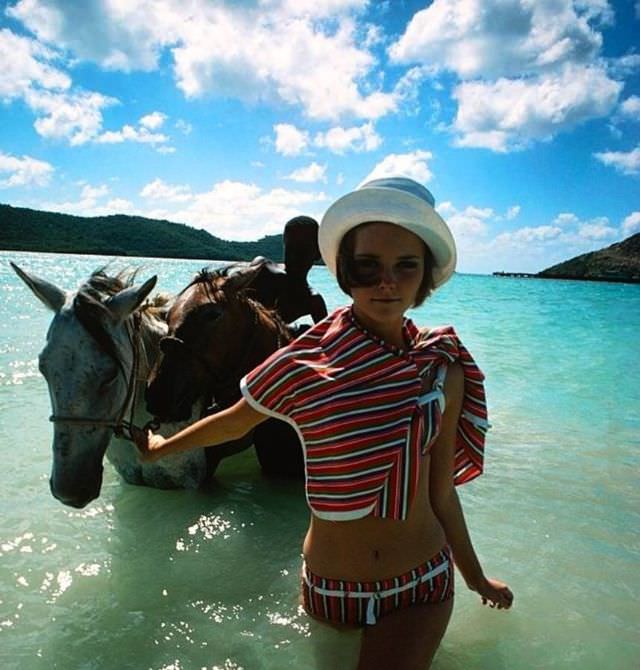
211,311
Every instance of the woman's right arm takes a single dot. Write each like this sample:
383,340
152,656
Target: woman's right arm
225,426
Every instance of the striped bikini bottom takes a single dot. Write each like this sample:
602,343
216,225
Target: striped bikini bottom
359,603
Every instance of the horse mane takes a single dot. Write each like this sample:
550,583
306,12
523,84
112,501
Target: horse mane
214,281
90,309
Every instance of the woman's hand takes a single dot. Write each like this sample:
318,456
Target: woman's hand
149,445
495,594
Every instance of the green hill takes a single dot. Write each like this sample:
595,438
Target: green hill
618,262
24,229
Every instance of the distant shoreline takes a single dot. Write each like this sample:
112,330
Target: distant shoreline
530,275
618,263
23,229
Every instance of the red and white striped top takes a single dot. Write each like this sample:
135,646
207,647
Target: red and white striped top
362,416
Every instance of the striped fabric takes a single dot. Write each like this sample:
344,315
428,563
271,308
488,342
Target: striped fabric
359,603
356,404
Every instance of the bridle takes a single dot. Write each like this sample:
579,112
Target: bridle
121,427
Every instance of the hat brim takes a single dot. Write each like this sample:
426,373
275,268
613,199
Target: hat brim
388,205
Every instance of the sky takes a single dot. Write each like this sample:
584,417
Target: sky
522,117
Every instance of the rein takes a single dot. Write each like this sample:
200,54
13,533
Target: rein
121,427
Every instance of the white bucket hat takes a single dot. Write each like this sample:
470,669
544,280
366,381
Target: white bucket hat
396,200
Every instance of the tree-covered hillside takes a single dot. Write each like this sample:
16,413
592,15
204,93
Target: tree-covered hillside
33,230
618,262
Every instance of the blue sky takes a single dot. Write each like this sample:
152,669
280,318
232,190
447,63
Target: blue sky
521,116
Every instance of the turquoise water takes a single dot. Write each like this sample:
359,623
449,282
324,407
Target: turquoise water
208,579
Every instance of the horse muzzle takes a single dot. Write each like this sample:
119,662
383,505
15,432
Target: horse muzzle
76,492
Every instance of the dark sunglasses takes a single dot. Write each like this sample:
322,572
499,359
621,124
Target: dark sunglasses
367,272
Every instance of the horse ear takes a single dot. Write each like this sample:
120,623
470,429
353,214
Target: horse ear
125,302
49,294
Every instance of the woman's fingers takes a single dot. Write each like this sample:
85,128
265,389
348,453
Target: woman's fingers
502,598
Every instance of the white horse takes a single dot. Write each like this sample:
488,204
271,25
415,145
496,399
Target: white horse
100,347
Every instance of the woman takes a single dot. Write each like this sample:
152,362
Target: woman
391,418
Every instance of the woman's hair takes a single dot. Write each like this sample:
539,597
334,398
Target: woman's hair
345,271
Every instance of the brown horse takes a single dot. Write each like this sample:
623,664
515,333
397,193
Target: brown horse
216,335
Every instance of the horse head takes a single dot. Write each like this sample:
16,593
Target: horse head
89,363
216,334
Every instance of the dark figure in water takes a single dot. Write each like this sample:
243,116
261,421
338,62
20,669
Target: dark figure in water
286,290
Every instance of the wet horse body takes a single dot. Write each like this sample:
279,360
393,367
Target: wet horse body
100,347
216,335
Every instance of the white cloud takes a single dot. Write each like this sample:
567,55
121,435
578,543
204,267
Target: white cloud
413,165
527,248
625,162
522,237
24,171
513,212
131,134
289,140
499,38
30,66
309,174
599,11
159,190
631,107
566,219
470,222
306,54
117,35
92,208
407,88
623,66
374,35
87,203
120,206
575,230
76,117
357,138
511,113
320,66
162,149
230,210
597,229
153,121
529,69
62,113
184,126
93,192
631,224
240,211
316,9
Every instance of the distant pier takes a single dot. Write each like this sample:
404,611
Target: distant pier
514,274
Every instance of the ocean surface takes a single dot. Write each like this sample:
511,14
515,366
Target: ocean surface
177,580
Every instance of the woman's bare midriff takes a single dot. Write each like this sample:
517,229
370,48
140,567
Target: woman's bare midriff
373,548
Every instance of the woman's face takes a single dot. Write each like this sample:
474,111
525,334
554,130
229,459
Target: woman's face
393,259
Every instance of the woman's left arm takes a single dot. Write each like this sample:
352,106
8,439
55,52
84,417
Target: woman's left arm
446,504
